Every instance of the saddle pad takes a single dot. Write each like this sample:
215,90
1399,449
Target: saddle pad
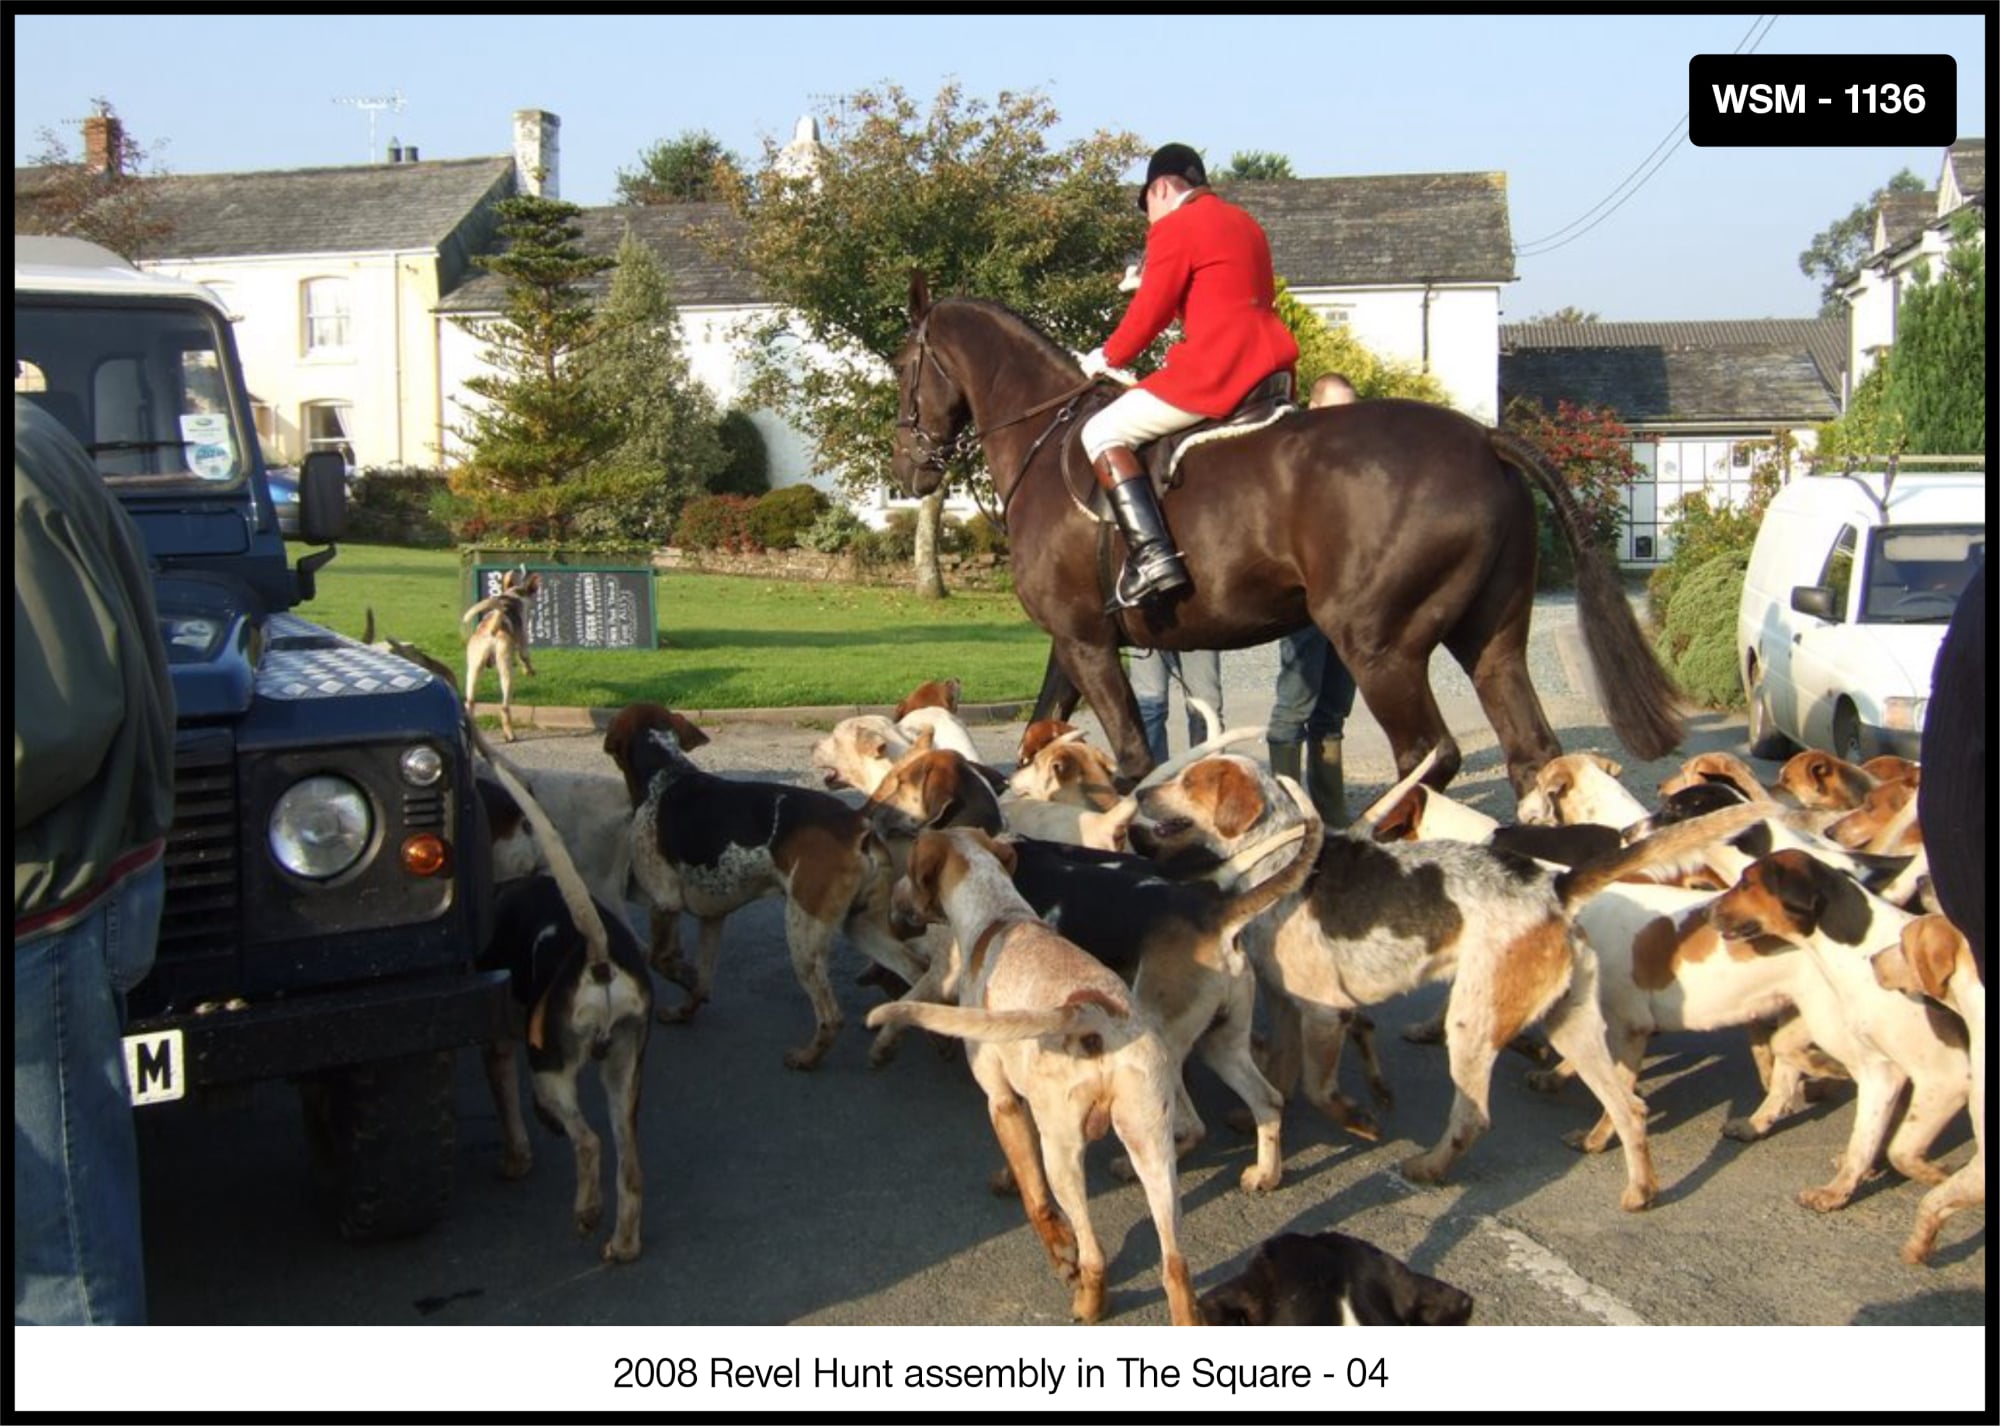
1166,480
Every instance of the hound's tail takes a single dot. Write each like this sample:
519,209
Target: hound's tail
1086,1012
1642,703
1673,845
1247,905
496,601
576,896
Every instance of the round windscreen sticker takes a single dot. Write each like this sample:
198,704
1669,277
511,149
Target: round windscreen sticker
210,452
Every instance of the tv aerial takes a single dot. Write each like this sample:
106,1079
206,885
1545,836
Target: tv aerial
374,104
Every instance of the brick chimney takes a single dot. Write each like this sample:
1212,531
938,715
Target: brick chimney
537,144
104,144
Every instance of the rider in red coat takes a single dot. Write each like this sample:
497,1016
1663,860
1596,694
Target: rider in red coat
1207,263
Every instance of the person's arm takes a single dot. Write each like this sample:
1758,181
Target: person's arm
69,688
1163,283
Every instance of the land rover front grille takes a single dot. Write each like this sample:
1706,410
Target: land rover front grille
204,883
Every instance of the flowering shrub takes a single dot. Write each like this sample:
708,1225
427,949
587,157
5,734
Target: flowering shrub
1592,450
718,522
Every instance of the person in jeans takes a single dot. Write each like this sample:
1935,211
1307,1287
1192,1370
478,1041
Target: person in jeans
93,799
1315,691
1152,671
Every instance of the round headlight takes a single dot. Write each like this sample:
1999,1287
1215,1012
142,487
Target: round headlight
320,827
422,765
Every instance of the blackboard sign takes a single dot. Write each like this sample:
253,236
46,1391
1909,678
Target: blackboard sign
581,606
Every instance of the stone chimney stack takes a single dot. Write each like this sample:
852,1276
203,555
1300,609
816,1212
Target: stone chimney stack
537,145
104,144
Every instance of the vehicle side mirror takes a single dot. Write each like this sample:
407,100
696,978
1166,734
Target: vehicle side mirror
1816,600
323,497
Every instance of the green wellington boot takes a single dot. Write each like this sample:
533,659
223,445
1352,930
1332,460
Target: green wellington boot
1325,782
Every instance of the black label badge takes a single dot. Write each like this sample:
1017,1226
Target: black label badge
1822,100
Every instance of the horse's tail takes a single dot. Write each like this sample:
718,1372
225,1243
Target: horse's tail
1642,703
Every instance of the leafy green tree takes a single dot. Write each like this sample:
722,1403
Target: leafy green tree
59,195
541,426
1566,314
638,370
1937,378
690,169
1255,164
746,465
1869,426
970,192
1838,248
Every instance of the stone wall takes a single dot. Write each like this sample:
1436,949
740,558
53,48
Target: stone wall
960,571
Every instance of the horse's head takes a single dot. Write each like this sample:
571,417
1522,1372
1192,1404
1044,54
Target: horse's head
931,409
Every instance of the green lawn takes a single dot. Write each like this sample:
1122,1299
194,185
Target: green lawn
725,642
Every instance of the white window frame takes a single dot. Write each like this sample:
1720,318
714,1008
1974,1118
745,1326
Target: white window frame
342,414
327,315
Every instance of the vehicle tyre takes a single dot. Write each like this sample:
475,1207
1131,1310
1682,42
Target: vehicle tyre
1847,734
1765,739
384,1143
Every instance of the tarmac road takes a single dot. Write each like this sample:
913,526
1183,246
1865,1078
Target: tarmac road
851,1195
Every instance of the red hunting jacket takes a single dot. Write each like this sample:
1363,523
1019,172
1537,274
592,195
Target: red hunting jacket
1209,264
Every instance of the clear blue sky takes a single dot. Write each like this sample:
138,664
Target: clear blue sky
1567,106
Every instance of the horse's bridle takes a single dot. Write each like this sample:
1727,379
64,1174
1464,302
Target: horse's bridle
935,453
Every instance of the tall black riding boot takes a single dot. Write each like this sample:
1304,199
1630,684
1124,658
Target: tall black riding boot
1152,565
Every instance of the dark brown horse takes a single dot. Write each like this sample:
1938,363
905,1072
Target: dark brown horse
1395,526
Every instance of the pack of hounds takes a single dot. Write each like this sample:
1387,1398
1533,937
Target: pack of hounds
1083,940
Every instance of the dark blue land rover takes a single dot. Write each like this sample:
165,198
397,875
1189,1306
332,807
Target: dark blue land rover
328,878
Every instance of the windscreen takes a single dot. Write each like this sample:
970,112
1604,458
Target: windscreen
143,388
1917,572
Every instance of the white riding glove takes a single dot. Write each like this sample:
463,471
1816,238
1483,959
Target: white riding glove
1093,364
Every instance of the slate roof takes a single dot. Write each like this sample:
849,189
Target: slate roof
1967,158
1903,216
675,233
363,208
1325,232
1391,228
1775,371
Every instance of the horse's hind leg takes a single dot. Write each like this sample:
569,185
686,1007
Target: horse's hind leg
1490,642
1397,690
1499,673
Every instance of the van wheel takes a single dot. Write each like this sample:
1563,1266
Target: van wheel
1765,739
1847,734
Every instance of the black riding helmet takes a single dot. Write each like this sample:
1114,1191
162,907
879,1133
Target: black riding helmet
1175,160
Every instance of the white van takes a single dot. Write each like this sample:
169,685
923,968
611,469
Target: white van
1851,583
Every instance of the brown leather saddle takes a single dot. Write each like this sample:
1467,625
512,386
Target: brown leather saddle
1267,400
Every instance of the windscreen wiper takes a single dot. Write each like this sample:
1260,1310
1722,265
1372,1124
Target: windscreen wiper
95,446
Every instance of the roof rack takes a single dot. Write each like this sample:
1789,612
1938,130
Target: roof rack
1888,463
